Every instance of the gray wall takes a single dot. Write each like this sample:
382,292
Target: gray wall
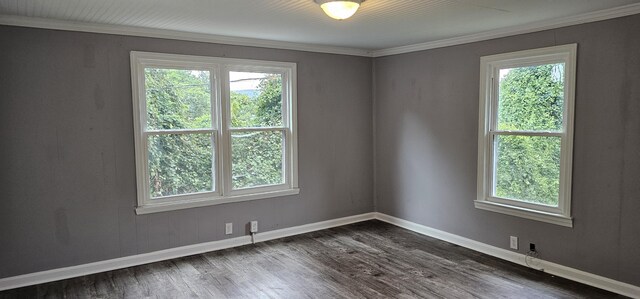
426,120
67,188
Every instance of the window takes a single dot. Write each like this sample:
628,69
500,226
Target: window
525,141
212,130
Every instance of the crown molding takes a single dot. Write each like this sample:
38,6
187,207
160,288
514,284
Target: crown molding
601,15
175,35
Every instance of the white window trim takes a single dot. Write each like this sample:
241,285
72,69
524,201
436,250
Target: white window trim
221,130
489,66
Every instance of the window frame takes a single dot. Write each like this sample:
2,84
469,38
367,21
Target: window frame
487,131
220,129
286,91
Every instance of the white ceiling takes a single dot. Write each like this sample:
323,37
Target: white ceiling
379,24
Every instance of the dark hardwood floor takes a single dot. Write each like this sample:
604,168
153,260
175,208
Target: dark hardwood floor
365,260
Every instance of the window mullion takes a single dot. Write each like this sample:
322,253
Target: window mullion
225,111
215,140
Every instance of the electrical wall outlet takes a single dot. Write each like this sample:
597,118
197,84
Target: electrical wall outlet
532,247
254,226
228,229
513,242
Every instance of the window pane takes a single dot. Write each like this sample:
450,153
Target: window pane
531,98
256,99
528,169
177,99
180,164
257,159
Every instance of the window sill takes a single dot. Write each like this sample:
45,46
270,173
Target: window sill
524,213
209,201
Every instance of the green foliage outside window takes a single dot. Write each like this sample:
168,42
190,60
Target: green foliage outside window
257,157
178,163
183,163
528,167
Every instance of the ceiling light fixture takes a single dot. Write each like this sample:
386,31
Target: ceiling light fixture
339,9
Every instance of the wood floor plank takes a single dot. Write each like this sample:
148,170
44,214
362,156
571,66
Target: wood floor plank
364,260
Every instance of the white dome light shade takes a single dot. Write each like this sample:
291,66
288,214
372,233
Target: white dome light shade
339,10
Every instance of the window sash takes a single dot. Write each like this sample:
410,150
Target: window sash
286,91
491,176
228,129
285,162
215,159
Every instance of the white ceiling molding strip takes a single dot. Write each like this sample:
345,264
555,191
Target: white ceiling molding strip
176,35
600,15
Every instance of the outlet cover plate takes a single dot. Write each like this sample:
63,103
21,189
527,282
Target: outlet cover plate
228,228
513,242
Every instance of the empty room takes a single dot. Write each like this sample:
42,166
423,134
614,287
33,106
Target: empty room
320,149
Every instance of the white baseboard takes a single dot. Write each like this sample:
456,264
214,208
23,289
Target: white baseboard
549,267
118,263
145,258
296,230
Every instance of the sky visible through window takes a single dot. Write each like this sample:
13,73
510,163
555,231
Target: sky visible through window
239,81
